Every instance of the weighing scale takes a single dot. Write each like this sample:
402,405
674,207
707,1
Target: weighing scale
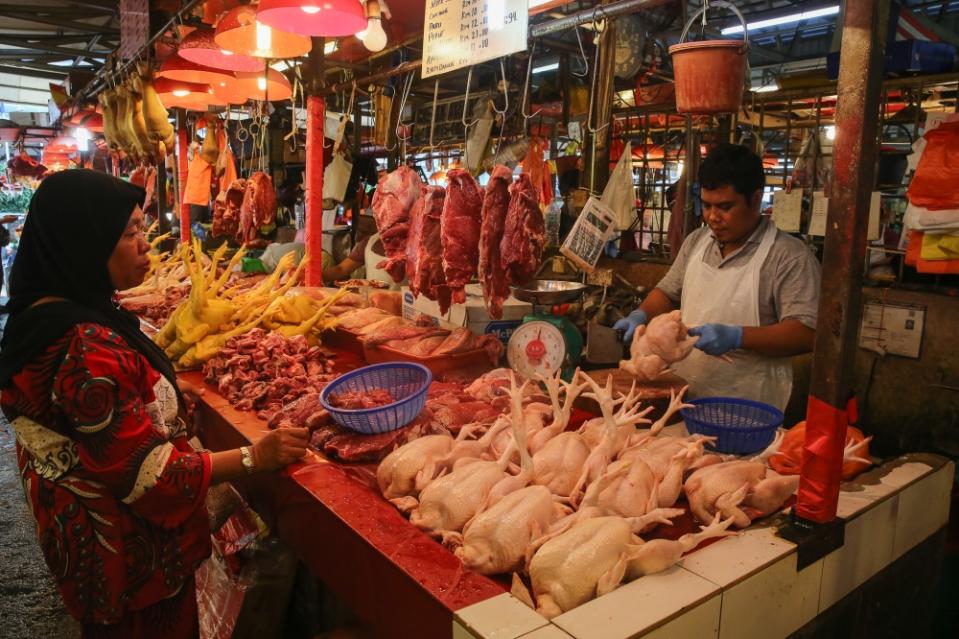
545,342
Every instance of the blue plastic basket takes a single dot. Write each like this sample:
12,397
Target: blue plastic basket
407,383
741,426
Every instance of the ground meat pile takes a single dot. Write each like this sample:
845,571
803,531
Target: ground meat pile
354,400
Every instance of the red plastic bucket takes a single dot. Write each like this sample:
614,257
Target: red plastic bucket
710,75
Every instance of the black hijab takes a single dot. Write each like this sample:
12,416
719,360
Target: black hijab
76,219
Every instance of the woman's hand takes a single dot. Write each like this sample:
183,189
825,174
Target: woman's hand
280,447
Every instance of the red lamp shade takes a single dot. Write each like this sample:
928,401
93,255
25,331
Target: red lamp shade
186,95
176,68
62,144
254,86
240,32
199,47
93,123
313,17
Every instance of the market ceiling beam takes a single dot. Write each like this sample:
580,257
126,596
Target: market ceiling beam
40,46
39,72
69,25
854,159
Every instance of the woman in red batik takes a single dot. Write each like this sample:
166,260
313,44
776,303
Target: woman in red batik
117,492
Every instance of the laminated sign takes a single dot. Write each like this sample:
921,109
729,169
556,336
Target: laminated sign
461,33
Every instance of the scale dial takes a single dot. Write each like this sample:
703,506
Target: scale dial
536,348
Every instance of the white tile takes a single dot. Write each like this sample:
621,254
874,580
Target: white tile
853,502
460,632
638,606
923,509
732,559
702,622
774,602
500,617
866,549
547,632
905,474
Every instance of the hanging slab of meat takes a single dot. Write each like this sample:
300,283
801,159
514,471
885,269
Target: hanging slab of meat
394,198
258,208
521,249
460,231
424,249
226,209
492,275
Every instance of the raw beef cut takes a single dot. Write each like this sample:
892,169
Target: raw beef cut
492,275
394,198
521,249
226,209
258,208
354,400
424,249
460,231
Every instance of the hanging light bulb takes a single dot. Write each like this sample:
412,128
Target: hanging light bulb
181,93
310,9
373,37
263,37
261,84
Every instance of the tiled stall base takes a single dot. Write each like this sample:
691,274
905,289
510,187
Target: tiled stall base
747,586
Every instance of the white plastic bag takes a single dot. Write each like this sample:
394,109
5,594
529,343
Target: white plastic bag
619,194
336,177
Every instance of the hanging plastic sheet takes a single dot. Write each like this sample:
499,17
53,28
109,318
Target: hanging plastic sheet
933,185
619,194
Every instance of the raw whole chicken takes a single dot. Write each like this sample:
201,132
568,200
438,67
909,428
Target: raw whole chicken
666,336
409,468
497,539
587,561
659,554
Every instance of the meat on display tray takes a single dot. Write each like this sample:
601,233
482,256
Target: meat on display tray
350,341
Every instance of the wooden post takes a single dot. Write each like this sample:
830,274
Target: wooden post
315,121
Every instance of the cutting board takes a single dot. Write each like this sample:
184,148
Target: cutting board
655,392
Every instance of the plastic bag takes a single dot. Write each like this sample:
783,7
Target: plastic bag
336,177
933,185
619,194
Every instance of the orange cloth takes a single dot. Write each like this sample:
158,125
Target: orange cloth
935,267
198,182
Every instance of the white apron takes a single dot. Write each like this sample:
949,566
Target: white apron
730,295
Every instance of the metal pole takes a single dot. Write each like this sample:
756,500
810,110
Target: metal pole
610,10
854,152
315,121
603,107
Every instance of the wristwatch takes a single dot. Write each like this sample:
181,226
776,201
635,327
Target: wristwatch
246,458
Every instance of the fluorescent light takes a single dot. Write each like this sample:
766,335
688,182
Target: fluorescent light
786,19
767,88
536,3
546,67
830,132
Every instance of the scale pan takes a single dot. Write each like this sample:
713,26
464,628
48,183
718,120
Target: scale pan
549,291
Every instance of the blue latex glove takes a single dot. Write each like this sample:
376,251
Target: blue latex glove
717,339
630,323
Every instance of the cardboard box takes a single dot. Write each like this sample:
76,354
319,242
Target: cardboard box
472,314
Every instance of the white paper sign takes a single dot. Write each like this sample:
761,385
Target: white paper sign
787,210
461,33
892,329
820,206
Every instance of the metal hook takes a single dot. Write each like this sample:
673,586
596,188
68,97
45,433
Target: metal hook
436,93
502,114
600,32
582,52
467,125
529,75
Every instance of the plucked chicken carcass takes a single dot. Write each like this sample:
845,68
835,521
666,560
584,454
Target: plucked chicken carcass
492,273
521,248
460,231
657,345
258,208
424,248
495,541
226,209
392,202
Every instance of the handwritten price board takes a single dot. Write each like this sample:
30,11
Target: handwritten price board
461,33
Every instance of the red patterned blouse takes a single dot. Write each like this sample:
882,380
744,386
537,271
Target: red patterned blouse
117,492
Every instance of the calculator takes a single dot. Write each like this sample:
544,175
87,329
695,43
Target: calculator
593,228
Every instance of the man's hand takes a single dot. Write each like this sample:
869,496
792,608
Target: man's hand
630,323
717,339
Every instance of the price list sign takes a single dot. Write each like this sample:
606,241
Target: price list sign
461,33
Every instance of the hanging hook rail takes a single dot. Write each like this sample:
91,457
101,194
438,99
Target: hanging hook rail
467,125
436,93
582,52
